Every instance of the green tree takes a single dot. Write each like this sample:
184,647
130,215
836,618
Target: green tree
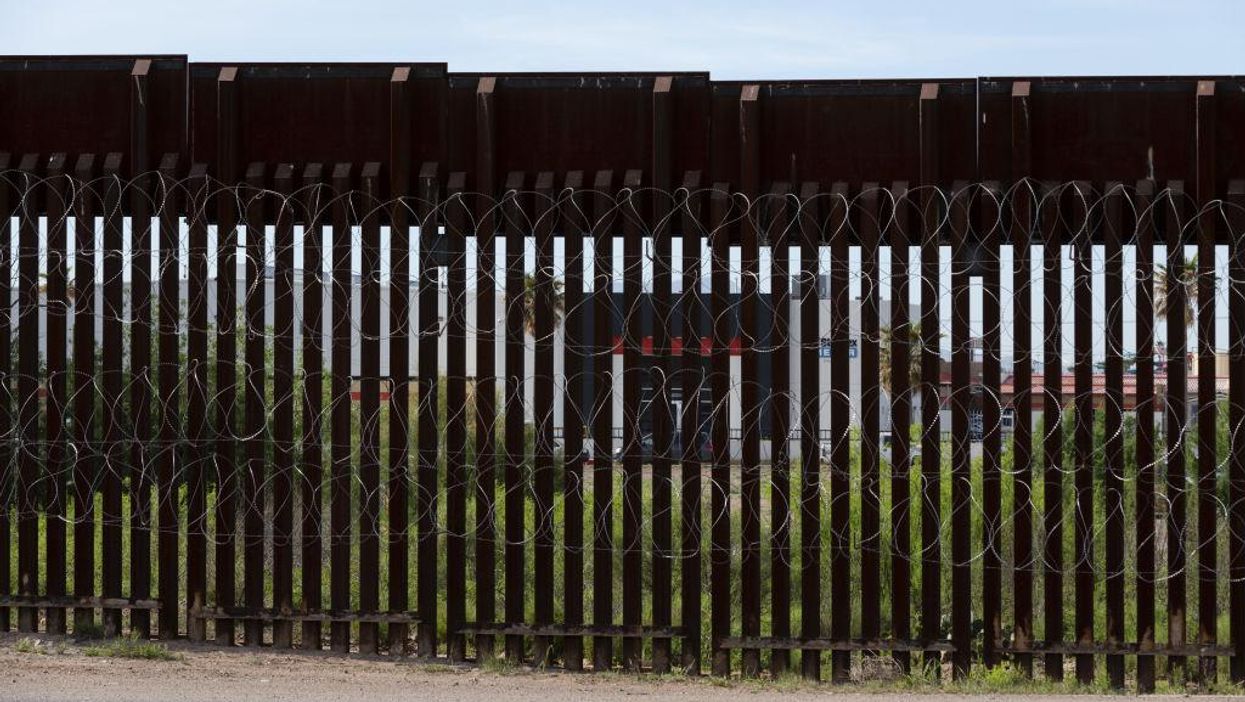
1188,280
529,302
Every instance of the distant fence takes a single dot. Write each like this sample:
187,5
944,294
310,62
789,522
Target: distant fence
214,452
186,451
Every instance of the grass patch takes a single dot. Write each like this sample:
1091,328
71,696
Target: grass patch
498,664
130,647
39,647
28,645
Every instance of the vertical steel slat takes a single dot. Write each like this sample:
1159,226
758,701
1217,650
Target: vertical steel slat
1234,214
168,501
486,382
429,213
486,418
810,225
369,406
141,383
720,478
961,445
85,395
780,348
196,397
660,380
1207,381
7,473
573,226
1113,229
140,379
516,213
603,221
632,489
932,202
282,425
1083,360
1176,416
256,486
1022,213
901,394
840,434
115,423
312,202
542,321
749,377
28,469
1022,228
870,416
341,432
157,459
55,505
456,419
399,392
750,425
399,473
989,232
1051,214
691,431
228,486
659,212
6,392
931,426
1147,469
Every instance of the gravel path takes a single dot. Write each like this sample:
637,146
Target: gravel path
206,673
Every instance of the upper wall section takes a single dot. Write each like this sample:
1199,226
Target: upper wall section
130,105
670,128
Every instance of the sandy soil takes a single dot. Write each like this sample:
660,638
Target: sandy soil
206,673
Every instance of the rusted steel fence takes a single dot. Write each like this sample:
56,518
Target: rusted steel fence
448,361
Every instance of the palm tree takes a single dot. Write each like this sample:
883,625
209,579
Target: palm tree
529,302
916,348
1188,280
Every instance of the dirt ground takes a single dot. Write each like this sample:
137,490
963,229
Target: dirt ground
58,670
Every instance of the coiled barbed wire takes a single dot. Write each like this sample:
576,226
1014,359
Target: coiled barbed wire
78,433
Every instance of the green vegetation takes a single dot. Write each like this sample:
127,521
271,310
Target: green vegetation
773,493
40,647
28,645
129,647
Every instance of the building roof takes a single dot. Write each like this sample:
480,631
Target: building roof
1007,388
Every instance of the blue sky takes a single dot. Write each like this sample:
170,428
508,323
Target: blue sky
731,39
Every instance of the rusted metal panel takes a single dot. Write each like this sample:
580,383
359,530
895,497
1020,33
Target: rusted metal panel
611,114
315,112
1100,129
851,131
1089,128
82,104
